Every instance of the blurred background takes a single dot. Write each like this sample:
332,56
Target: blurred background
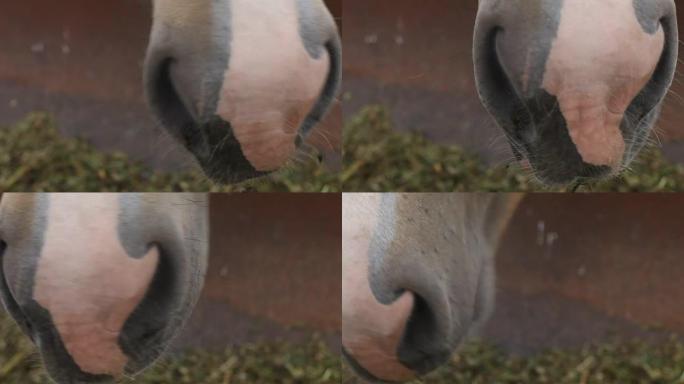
579,269
81,61
415,58
274,272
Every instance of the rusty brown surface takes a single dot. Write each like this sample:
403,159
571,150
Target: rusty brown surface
579,268
81,61
572,269
278,256
416,59
275,270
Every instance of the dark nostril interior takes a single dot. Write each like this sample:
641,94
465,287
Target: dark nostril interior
150,336
330,89
423,348
9,300
645,108
497,92
145,329
165,101
656,89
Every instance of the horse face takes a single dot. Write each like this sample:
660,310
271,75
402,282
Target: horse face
241,82
577,85
417,277
101,282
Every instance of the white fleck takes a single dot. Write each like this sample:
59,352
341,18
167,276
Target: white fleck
38,47
541,233
582,271
551,238
371,39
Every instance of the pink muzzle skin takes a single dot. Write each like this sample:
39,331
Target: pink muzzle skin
271,85
88,282
594,78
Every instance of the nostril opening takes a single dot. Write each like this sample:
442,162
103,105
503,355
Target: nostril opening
150,336
9,300
497,92
145,328
651,96
165,101
423,347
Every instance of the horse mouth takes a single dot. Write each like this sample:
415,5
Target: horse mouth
218,152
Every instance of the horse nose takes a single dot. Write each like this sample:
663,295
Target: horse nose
183,77
238,98
554,46
396,329
567,97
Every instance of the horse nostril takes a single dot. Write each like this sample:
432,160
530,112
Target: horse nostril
423,347
149,336
496,89
10,301
164,99
145,329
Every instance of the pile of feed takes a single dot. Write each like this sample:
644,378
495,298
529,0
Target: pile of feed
477,363
377,158
612,363
34,156
275,363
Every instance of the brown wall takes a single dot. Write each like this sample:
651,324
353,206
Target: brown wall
88,74
415,58
278,256
275,269
578,268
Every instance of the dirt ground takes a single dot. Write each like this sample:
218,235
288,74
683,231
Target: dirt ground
81,61
416,59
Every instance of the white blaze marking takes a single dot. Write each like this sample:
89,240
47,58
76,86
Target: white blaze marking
598,63
371,332
272,83
87,281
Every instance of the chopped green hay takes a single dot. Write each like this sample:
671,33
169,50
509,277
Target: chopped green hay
276,363
614,363
477,363
378,159
35,157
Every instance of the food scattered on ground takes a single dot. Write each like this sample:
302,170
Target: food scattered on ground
274,363
611,363
379,159
34,156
